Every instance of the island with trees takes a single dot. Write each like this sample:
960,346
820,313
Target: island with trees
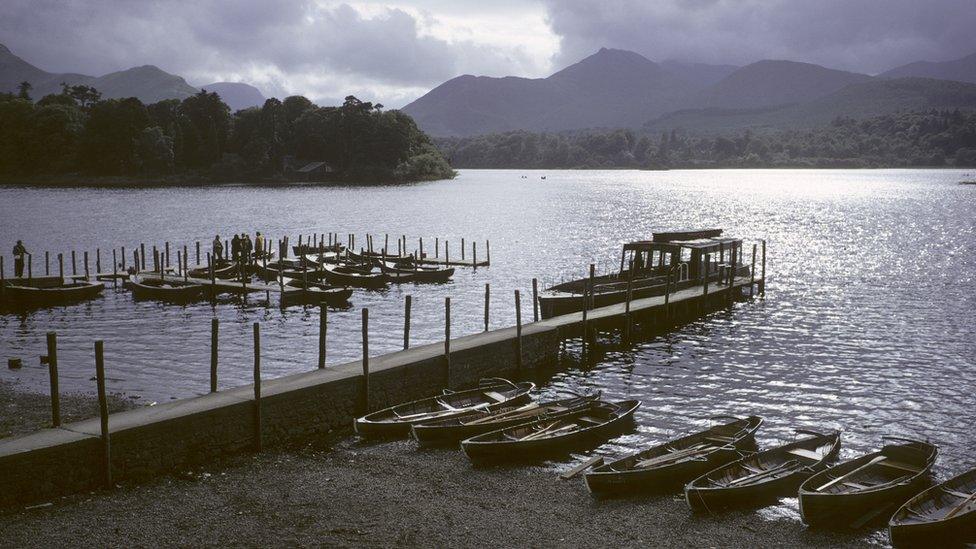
75,136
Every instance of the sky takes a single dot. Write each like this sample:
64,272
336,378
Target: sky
394,51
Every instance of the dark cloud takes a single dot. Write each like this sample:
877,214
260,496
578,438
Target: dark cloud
859,35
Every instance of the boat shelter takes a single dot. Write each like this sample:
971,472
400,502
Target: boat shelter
689,248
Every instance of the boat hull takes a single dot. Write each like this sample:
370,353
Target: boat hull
70,292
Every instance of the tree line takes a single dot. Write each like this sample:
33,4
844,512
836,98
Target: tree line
931,138
78,132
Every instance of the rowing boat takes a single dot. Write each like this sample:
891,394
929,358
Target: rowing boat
341,275
309,249
49,291
858,491
408,271
943,515
670,465
397,420
223,269
581,429
452,430
764,476
299,291
172,290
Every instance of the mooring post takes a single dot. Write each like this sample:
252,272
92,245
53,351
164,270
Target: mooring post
421,256
323,326
47,263
437,247
166,258
462,249
365,360
122,258
257,388
198,253
474,255
585,307
142,255
186,257
87,278
135,260
98,261
447,341
487,253
74,264
487,298
752,273
103,412
762,282
3,279
115,268
447,252
30,269
52,369
518,331
214,327
386,243
535,300
61,268
630,296
406,322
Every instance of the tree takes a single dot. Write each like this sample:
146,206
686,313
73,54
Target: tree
154,150
23,90
110,140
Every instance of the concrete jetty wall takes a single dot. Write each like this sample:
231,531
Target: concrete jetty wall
192,431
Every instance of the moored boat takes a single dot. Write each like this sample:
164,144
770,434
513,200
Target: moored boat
943,515
858,491
409,271
397,420
162,289
581,429
341,275
670,465
452,430
48,291
299,291
764,476
223,269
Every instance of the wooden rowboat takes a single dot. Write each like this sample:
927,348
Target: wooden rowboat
670,465
397,420
352,276
298,291
49,291
858,491
308,249
410,272
584,428
450,431
223,269
174,290
765,476
940,516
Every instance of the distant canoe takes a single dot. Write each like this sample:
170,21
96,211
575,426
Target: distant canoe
585,428
397,420
943,515
860,490
451,431
24,293
174,290
765,476
670,465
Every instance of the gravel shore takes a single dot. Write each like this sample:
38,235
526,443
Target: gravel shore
25,412
385,494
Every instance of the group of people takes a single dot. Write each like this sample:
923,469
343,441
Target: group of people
242,248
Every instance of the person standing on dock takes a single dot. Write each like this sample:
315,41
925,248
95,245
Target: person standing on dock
235,248
19,252
258,245
218,248
246,247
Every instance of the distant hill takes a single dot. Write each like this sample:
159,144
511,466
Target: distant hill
768,83
865,99
611,88
237,95
962,70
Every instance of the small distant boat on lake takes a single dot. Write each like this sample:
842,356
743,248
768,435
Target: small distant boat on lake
860,490
48,291
584,428
670,465
397,420
454,429
675,256
764,476
944,514
172,290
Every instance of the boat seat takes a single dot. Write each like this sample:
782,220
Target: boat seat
900,465
588,419
496,396
957,493
807,454
856,486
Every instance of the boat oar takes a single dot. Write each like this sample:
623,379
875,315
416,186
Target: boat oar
527,410
593,461
841,478
548,430
675,455
754,478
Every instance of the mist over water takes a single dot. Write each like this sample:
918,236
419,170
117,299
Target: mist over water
867,325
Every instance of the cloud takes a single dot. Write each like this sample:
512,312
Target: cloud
859,35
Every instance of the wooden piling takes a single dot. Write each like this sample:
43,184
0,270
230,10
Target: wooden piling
74,264
122,262
30,269
47,263
166,257
437,247
474,255
98,260
406,322
421,255
592,283
258,443
585,307
52,369
487,298
447,252
487,253
447,341
323,327
518,331
214,328
462,249
535,300
86,266
142,256
630,297
762,282
115,268
61,267
198,253
365,360
103,412
752,273
3,279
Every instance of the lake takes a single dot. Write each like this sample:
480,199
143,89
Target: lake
867,325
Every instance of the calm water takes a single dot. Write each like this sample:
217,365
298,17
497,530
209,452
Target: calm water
868,323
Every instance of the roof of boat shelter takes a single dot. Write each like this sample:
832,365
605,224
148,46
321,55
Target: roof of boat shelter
695,244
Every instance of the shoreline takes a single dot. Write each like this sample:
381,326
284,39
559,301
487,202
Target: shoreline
23,412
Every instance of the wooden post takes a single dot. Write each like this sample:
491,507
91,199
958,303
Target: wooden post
98,261
47,263
386,243
447,341
447,252
365,360
487,298
86,266
3,279
585,302
518,331
198,253
122,262
30,269
762,283
214,324
142,256
592,284
406,322
752,272
535,300
74,264
52,368
166,258
474,255
421,256
103,412
462,249
257,388
115,268
61,267
437,247
630,297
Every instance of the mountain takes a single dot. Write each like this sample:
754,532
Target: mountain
962,70
237,95
611,88
768,83
861,100
699,75
14,70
